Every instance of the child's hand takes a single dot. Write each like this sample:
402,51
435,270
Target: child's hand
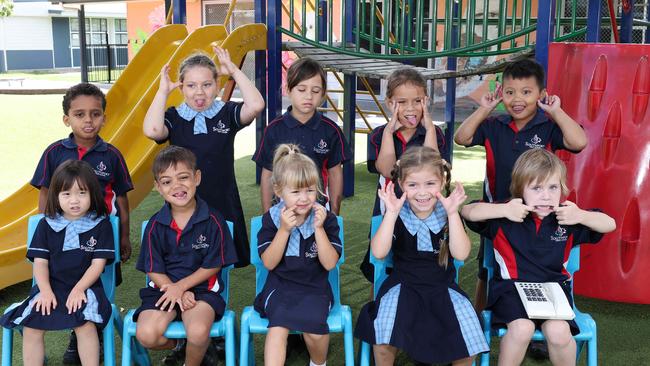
455,199
516,210
392,203
166,84
125,248
288,219
319,216
568,213
550,104
188,300
426,120
226,66
173,293
75,300
46,302
492,99
394,124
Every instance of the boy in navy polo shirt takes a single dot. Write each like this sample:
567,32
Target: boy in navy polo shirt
533,235
83,112
185,245
533,120
319,137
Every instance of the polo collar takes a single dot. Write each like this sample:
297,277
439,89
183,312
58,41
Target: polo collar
201,213
539,118
291,122
69,143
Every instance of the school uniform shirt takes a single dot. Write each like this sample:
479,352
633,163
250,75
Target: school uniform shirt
297,294
320,138
504,143
419,308
215,157
69,253
400,144
106,161
205,242
532,251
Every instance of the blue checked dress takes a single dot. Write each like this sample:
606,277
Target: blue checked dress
69,248
419,308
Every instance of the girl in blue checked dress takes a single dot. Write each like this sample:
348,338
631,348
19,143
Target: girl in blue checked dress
298,243
420,309
70,247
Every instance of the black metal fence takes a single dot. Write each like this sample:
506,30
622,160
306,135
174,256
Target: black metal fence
106,61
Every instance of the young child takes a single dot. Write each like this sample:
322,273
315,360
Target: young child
420,309
83,112
185,245
410,125
533,234
207,127
533,120
318,136
70,247
299,244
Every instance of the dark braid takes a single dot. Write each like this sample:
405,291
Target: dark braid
443,257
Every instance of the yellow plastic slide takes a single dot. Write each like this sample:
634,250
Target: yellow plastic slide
127,103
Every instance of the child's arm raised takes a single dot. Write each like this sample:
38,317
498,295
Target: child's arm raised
430,138
154,121
465,133
46,300
459,244
387,156
574,137
253,100
383,239
327,255
77,295
273,254
514,210
570,214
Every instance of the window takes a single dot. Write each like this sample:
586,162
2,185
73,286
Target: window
96,30
121,35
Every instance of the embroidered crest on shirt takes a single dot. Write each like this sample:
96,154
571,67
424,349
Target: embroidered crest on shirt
321,147
89,246
200,242
100,170
535,142
312,252
220,128
559,234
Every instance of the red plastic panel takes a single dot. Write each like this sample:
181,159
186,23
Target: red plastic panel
606,88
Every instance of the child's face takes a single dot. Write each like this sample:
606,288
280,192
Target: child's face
420,187
199,88
178,185
86,118
74,202
520,97
544,196
409,98
307,95
301,199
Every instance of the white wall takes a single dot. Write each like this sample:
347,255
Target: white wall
28,33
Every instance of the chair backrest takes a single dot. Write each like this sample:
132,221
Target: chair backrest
380,265
261,272
225,272
108,276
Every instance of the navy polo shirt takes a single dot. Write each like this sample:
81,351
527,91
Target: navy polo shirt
215,154
303,272
535,250
205,242
107,163
400,144
320,138
504,143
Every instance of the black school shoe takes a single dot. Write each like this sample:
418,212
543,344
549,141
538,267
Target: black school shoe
71,355
538,350
176,356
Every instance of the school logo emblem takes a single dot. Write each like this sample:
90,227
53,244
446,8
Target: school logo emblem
559,234
321,147
220,128
312,252
90,244
200,242
100,170
535,142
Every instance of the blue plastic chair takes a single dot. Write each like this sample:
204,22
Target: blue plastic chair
586,323
380,275
339,319
222,328
108,281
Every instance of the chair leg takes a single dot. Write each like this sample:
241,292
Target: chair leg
229,324
7,346
126,348
347,336
364,354
244,342
592,351
109,343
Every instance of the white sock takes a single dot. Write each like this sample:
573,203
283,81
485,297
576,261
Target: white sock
312,363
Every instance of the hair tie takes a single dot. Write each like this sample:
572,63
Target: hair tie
397,163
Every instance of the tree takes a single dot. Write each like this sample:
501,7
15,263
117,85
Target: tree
6,8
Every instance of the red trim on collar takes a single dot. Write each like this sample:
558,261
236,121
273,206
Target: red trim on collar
177,229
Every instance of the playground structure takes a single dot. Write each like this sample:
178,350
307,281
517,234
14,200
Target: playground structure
361,40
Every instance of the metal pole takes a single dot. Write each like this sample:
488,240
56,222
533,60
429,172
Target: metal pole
593,21
545,26
349,101
450,97
626,21
81,14
179,16
108,57
260,83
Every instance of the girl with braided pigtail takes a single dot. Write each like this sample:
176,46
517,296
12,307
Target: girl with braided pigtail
419,308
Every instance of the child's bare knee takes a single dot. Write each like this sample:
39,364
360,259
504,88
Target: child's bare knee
557,333
384,350
521,329
315,337
147,336
198,333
